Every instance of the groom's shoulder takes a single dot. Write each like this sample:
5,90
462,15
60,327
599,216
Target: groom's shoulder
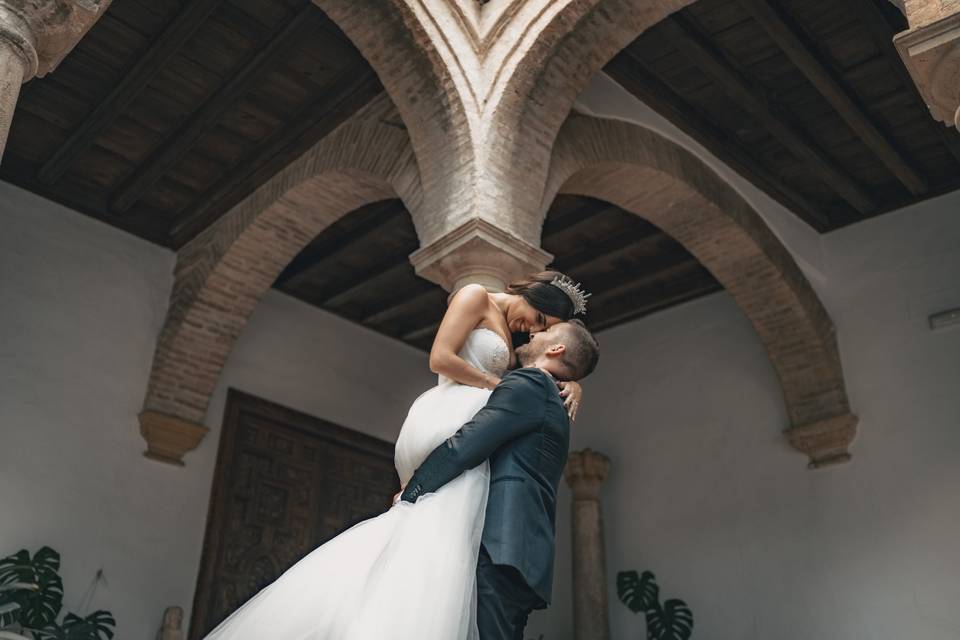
530,376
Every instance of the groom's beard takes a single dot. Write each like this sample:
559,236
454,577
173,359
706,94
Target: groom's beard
526,355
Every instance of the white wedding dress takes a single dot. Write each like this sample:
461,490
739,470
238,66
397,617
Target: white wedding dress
407,574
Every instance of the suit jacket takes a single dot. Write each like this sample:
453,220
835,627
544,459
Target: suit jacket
525,433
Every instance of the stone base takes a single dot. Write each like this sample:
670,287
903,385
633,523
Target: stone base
477,252
825,442
169,437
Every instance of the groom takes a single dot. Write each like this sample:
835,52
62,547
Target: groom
524,431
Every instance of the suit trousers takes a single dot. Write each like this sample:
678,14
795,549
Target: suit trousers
504,600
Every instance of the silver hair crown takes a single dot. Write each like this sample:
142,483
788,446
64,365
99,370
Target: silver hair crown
577,295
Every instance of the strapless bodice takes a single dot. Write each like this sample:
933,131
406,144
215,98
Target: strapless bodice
485,350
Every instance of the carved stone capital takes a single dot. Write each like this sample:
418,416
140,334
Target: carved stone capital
825,442
15,30
586,471
931,53
478,252
45,31
169,437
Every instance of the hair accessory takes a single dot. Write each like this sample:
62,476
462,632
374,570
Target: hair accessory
577,295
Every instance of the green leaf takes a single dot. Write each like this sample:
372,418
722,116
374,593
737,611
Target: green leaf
673,621
639,593
96,626
40,603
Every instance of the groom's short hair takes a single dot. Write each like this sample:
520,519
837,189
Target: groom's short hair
581,353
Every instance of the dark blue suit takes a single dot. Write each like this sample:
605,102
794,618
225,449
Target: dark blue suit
524,431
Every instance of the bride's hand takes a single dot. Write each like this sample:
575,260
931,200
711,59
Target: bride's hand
571,392
396,498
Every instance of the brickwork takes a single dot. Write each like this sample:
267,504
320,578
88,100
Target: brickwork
469,140
484,90
646,174
222,274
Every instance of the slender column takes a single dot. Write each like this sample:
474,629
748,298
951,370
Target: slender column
18,63
586,472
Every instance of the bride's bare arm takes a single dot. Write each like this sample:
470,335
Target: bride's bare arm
466,310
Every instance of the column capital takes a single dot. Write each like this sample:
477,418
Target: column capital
825,442
930,49
169,437
15,30
43,32
478,252
586,471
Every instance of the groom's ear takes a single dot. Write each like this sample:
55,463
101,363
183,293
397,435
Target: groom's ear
556,350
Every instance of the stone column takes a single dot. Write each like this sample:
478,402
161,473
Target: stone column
35,35
478,252
586,471
931,52
18,63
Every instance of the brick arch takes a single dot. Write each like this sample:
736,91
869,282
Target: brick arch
647,174
221,275
390,37
568,53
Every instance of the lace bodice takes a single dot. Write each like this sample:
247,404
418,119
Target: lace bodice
485,350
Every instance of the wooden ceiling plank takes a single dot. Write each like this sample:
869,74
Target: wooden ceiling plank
180,143
355,88
628,71
398,310
668,267
420,333
349,288
598,252
140,75
882,34
315,254
754,101
839,98
700,287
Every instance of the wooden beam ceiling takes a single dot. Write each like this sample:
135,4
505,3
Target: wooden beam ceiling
632,74
802,55
147,175
755,101
333,246
182,28
879,30
350,92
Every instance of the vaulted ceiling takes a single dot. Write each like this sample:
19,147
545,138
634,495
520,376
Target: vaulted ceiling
168,113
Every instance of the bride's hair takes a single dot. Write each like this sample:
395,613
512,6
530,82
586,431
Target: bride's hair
543,296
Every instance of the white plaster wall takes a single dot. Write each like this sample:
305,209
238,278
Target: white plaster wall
706,493
81,304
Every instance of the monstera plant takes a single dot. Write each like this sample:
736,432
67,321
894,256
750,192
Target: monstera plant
31,597
671,620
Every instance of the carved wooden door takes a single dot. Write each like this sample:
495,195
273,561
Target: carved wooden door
285,482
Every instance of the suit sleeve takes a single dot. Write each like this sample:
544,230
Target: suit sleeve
516,407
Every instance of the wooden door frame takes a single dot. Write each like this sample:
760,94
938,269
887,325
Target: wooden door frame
237,403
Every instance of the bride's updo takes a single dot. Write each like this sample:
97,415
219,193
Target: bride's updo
543,296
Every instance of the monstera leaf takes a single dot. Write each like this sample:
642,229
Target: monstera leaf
31,590
673,621
639,593
96,626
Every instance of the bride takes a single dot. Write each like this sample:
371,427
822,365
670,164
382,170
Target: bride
409,573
